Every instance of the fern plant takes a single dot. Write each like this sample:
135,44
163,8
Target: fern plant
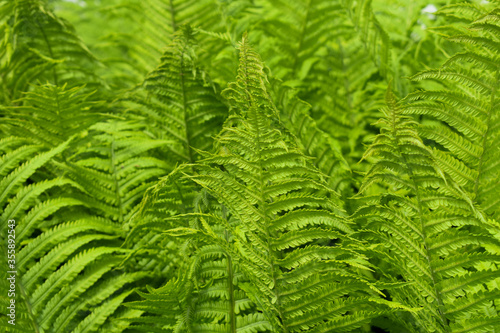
37,45
461,118
330,190
177,102
430,233
276,236
69,237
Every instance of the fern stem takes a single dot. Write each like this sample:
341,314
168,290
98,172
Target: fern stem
115,178
270,252
442,317
253,115
230,276
301,40
485,138
49,48
172,16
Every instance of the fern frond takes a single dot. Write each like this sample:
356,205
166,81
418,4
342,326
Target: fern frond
464,124
59,262
271,224
427,230
116,174
39,45
178,102
50,114
371,32
295,114
299,30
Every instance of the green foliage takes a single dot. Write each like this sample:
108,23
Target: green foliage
250,166
37,45
429,233
176,102
461,118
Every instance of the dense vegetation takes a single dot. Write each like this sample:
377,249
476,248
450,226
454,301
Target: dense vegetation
251,165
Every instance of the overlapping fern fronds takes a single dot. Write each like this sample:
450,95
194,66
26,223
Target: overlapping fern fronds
291,248
460,118
295,114
37,45
62,253
430,234
50,115
69,206
148,201
137,31
177,102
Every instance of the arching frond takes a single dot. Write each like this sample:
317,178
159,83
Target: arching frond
177,102
49,115
66,204
429,234
37,45
461,118
276,220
